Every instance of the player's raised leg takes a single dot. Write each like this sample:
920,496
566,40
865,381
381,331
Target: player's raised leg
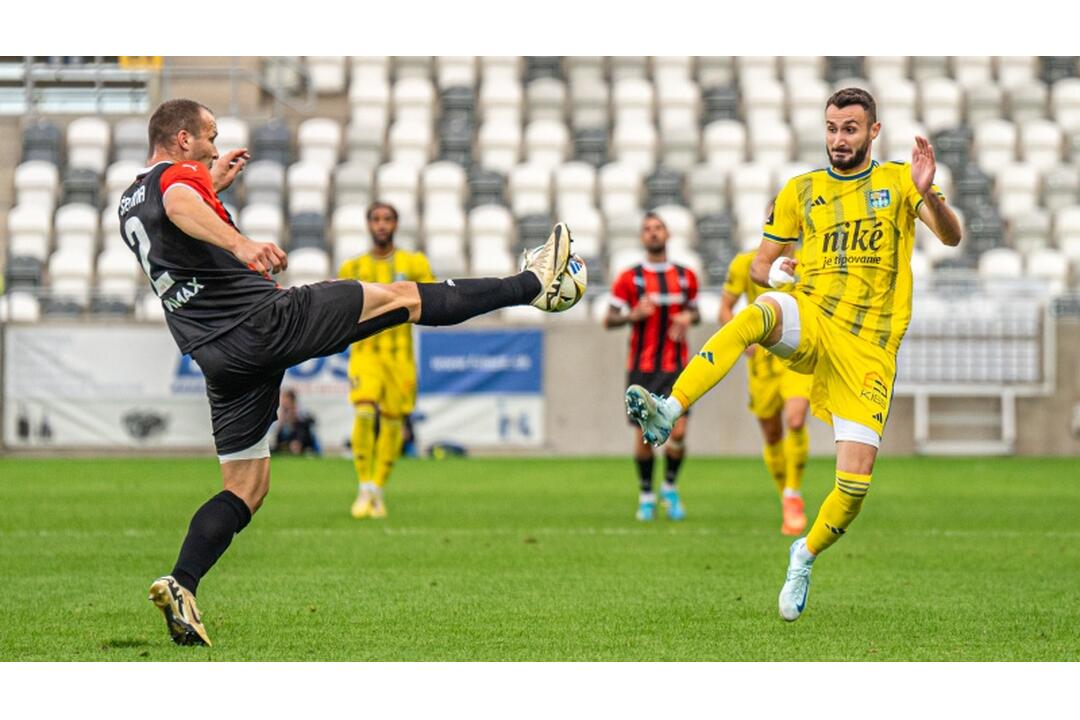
854,465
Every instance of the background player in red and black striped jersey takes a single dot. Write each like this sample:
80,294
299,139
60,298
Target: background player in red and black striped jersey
658,299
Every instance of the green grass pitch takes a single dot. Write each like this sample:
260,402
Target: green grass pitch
954,559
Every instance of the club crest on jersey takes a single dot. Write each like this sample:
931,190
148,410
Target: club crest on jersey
878,199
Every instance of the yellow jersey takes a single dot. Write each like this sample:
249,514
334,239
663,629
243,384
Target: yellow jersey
857,234
393,343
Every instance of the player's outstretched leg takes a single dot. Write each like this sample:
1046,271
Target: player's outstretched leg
655,414
181,613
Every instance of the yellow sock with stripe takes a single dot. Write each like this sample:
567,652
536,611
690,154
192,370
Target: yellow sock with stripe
387,448
363,442
751,325
796,450
775,462
840,508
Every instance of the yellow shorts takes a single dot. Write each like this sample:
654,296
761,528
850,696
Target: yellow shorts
771,384
852,378
386,382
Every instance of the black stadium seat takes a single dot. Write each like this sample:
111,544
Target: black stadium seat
81,185
42,141
272,141
307,230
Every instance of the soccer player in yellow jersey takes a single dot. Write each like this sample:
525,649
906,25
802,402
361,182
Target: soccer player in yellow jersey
846,316
779,397
382,371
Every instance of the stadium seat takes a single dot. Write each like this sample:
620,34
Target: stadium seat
687,258
635,143
70,272
620,186
632,101
725,143
783,173
628,67
29,228
1000,263
770,142
664,186
590,146
263,223
575,184
547,143
533,231
680,224
1027,101
585,67
586,227
1067,232
896,101
885,68
369,102
447,257
88,144
118,178
1030,231
982,103
678,104
501,100
1017,189
81,185
491,230
319,141
130,140
327,73
1050,268
399,185
754,69
76,227
271,142
148,308
110,227
751,185
995,144
24,272
353,183
443,184
369,66
542,66
546,100
840,67
37,183
455,71
307,265
924,67
307,230
118,275
499,144
1053,68
19,307
972,70
1061,187
941,103
802,68
680,147
1015,70
413,100
264,183
501,68
350,233
486,187
1041,143
763,101
715,70
42,140
810,144
622,230
412,66
1065,102
530,190
706,186
364,144
589,104
720,103
309,188
410,142
806,101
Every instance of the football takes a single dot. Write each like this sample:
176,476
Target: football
572,285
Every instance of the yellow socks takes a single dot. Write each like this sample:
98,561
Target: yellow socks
774,461
387,448
838,511
363,442
752,325
796,449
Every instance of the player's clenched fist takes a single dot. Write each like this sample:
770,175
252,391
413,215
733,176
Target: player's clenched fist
262,257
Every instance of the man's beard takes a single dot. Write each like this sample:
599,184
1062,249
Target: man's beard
854,160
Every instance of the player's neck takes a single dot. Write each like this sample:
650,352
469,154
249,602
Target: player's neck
382,252
163,155
656,258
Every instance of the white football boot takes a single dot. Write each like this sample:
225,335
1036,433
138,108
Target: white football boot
548,262
797,585
655,414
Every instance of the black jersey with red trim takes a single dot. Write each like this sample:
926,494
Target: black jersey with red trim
205,289
671,288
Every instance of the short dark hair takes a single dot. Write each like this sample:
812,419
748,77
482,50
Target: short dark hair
854,96
379,204
654,216
171,117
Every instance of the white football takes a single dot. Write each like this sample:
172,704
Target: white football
572,285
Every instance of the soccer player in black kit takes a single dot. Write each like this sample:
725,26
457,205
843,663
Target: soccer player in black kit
224,309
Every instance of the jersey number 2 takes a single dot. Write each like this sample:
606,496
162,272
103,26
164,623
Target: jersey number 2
136,237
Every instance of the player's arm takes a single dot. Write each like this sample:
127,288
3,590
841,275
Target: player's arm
932,209
779,237
765,262
187,211
619,315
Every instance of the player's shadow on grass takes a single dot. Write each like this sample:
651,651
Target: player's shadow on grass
118,644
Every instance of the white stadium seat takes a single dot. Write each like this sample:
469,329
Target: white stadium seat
70,272
883,68
635,143
1016,69
412,66
587,228
319,141
589,102
971,70
751,185
499,142
995,144
263,223
19,306
1030,231
547,143
307,265
754,69
575,184
1050,267
678,68
1065,102
763,101
119,275
724,143
491,229
806,101
1067,232
130,142
118,178
941,103
76,226
530,189
88,144
706,189
1027,101
353,183
925,67
500,68
327,73
455,71
628,67
1041,143
414,100
546,99
632,101
411,142
309,187
369,67
399,185
581,68
1061,187
29,228
1016,186
715,70
678,105
365,143
148,308
802,68
896,101
680,224
680,147
369,101
443,184
37,183
770,142
500,100
620,186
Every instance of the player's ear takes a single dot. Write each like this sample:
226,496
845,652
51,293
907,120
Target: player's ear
875,129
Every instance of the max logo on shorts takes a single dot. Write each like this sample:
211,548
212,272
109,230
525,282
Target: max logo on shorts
878,199
874,389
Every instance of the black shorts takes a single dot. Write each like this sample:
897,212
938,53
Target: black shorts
659,383
245,366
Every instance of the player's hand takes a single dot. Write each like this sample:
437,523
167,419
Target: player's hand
680,324
228,167
782,272
643,310
749,352
923,165
263,258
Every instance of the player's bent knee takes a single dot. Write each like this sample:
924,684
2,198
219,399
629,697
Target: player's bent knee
785,337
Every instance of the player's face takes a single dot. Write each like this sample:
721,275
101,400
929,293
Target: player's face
201,147
654,235
382,226
848,136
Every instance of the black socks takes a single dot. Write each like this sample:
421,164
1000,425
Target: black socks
455,301
645,470
671,469
211,530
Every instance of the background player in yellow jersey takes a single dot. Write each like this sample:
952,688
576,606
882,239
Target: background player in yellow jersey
779,397
382,370
846,317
